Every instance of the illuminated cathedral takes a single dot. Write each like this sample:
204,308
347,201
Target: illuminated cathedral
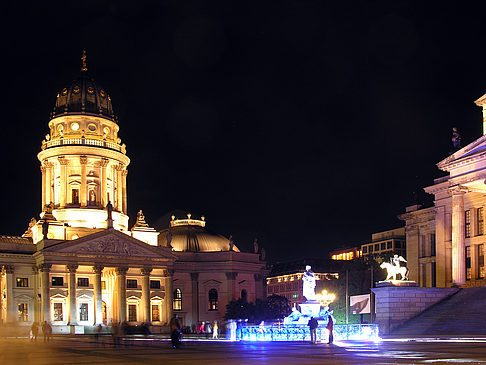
79,265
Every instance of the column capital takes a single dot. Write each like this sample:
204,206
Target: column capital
458,190
9,269
104,162
62,160
194,276
146,271
121,270
71,268
97,269
83,160
45,267
119,167
231,275
43,169
124,172
35,269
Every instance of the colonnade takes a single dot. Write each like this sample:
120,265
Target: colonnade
48,177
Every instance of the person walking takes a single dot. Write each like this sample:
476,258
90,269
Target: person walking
313,324
175,334
207,329
215,330
330,327
34,330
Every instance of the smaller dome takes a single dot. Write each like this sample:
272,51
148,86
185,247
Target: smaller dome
190,235
83,96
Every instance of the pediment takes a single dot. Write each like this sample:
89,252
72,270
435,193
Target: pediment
474,151
109,243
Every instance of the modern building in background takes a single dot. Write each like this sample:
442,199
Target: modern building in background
285,278
389,242
445,243
80,265
346,254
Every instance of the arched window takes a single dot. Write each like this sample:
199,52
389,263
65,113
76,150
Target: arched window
213,300
177,301
244,295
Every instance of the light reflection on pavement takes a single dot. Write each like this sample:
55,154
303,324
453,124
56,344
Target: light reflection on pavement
84,350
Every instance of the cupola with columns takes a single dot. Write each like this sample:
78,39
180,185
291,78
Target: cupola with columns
83,164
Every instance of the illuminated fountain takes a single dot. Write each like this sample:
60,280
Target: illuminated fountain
295,326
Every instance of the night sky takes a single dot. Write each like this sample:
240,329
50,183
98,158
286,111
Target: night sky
306,124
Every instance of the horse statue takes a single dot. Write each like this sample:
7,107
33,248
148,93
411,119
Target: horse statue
392,270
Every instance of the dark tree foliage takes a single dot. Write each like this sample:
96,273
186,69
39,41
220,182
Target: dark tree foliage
273,308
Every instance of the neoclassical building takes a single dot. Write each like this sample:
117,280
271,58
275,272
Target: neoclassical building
79,264
445,243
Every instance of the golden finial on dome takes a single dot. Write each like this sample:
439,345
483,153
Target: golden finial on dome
84,66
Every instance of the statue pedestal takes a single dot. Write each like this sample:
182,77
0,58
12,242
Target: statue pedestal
311,308
399,283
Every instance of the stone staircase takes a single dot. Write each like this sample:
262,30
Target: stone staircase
463,313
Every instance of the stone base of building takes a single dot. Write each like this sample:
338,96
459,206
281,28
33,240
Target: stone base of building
395,305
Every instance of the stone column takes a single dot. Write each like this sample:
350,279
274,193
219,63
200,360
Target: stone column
231,277
45,298
72,318
195,297
104,182
258,286
84,188
119,188
63,193
36,302
49,197
97,298
11,312
1,295
121,273
169,292
146,294
458,238
44,187
124,190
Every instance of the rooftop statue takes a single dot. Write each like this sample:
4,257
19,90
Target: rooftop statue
309,285
394,267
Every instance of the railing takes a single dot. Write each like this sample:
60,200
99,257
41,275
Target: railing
83,141
302,332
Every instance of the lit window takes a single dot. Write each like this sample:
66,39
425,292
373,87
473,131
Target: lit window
481,261
83,282
177,301
155,313
213,300
468,263
83,312
23,312
58,312
467,220
22,282
132,313
103,285
480,220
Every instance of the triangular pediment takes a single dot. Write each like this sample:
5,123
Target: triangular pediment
473,152
109,243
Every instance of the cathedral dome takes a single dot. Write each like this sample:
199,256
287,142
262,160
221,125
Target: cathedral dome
190,235
83,96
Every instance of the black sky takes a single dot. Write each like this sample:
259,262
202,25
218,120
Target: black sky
306,124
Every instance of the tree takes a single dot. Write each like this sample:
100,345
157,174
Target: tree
278,307
273,308
239,309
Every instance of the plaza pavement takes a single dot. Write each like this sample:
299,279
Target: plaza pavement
156,350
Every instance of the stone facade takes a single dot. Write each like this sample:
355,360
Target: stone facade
396,305
79,265
445,243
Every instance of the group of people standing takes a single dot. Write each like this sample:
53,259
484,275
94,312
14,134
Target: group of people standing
313,324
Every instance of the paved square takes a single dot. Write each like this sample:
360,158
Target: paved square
83,350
